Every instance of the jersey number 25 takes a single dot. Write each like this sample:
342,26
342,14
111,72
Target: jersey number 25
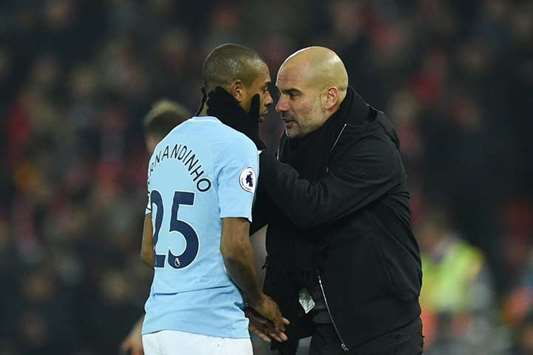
191,238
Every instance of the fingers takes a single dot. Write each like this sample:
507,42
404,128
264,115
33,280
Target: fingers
131,346
278,320
267,321
261,334
128,348
125,346
265,328
271,313
279,325
266,332
279,337
276,335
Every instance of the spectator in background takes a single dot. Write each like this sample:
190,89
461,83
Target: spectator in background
524,337
518,308
457,296
161,119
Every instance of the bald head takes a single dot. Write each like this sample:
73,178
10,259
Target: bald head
312,83
320,67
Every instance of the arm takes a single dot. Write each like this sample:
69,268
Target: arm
238,257
236,174
365,172
147,246
132,344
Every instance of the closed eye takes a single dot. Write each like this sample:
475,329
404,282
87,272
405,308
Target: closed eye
291,93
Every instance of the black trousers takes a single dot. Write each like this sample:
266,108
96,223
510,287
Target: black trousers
404,341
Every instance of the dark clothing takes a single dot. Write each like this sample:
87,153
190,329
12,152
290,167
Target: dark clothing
337,207
404,341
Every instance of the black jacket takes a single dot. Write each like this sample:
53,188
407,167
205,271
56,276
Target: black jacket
340,211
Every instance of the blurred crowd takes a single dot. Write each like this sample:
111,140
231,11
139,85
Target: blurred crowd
77,76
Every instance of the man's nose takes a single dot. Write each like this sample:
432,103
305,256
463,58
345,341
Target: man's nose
281,106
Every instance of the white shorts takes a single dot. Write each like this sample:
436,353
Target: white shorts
172,342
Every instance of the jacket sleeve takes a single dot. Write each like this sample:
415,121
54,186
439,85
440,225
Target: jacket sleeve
260,208
363,173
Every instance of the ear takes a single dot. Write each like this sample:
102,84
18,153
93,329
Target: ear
237,90
330,98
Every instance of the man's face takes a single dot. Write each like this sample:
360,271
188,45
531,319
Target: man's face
259,86
299,102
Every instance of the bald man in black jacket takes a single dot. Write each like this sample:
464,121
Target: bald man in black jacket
342,262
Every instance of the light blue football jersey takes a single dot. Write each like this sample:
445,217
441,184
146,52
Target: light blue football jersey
201,172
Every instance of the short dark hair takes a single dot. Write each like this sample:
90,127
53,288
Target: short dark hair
229,62
163,117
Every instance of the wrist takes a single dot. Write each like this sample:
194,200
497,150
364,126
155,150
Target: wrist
256,301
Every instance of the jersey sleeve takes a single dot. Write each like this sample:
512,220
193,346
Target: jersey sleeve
237,176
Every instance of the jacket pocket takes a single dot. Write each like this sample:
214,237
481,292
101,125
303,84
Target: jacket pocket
400,262
402,269
399,253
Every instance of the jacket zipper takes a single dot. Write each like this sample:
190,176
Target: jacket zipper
343,344
335,143
338,137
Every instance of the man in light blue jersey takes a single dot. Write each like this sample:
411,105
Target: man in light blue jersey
201,183
163,116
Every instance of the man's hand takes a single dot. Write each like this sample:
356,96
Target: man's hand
133,344
266,320
264,328
223,106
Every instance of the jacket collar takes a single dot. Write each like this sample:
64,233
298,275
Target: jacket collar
361,117
353,110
